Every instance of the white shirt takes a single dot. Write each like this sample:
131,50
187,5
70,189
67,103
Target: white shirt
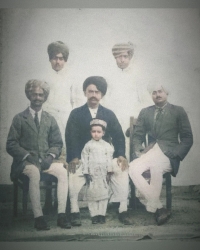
93,112
33,113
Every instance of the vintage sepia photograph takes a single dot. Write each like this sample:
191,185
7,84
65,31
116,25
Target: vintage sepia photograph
99,124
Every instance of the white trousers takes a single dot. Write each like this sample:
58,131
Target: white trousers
119,186
33,174
158,164
97,207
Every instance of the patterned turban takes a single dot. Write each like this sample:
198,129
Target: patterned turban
121,48
98,122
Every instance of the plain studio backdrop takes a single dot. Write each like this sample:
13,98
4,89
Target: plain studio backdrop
166,50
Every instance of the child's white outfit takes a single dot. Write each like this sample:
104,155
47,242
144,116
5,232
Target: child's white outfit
96,160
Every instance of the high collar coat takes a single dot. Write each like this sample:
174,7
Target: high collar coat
77,132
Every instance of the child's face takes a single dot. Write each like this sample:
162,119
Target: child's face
97,132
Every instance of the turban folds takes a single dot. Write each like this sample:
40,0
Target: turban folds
34,83
98,81
57,48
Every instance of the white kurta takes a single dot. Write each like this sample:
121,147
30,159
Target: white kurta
96,160
60,99
126,95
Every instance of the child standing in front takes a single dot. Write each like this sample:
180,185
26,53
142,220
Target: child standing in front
97,158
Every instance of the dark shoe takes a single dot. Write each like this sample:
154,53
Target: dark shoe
162,215
124,218
101,219
75,219
40,223
63,222
95,219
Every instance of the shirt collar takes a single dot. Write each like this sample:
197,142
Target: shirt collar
163,107
33,113
93,112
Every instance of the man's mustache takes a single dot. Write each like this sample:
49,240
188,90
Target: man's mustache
93,98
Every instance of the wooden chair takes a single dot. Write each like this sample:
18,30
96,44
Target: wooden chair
146,174
47,182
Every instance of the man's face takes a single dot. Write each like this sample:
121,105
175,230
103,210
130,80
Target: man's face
159,96
57,62
93,95
123,60
97,132
37,98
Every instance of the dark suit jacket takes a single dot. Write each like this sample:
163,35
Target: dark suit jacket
24,138
77,132
174,133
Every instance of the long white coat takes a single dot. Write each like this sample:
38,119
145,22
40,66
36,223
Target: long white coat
96,160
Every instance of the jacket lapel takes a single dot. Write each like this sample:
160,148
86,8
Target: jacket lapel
100,113
86,113
43,123
151,113
29,120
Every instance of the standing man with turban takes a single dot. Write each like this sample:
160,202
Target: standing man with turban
170,139
60,101
126,93
34,141
78,134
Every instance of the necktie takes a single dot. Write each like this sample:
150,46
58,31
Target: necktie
159,114
158,119
37,121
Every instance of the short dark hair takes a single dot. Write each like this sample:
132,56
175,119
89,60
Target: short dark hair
56,48
98,81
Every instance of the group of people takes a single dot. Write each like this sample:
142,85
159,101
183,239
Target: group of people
94,145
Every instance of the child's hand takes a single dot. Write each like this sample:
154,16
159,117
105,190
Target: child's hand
88,179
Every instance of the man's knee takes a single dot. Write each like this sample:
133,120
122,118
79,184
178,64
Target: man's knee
59,171
32,172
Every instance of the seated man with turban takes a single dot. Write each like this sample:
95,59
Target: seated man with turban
78,134
34,141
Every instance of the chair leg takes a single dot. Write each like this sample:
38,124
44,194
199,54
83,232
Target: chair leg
133,197
168,191
47,209
25,197
15,199
68,205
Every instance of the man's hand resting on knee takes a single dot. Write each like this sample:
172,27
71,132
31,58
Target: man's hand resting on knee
122,162
72,165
